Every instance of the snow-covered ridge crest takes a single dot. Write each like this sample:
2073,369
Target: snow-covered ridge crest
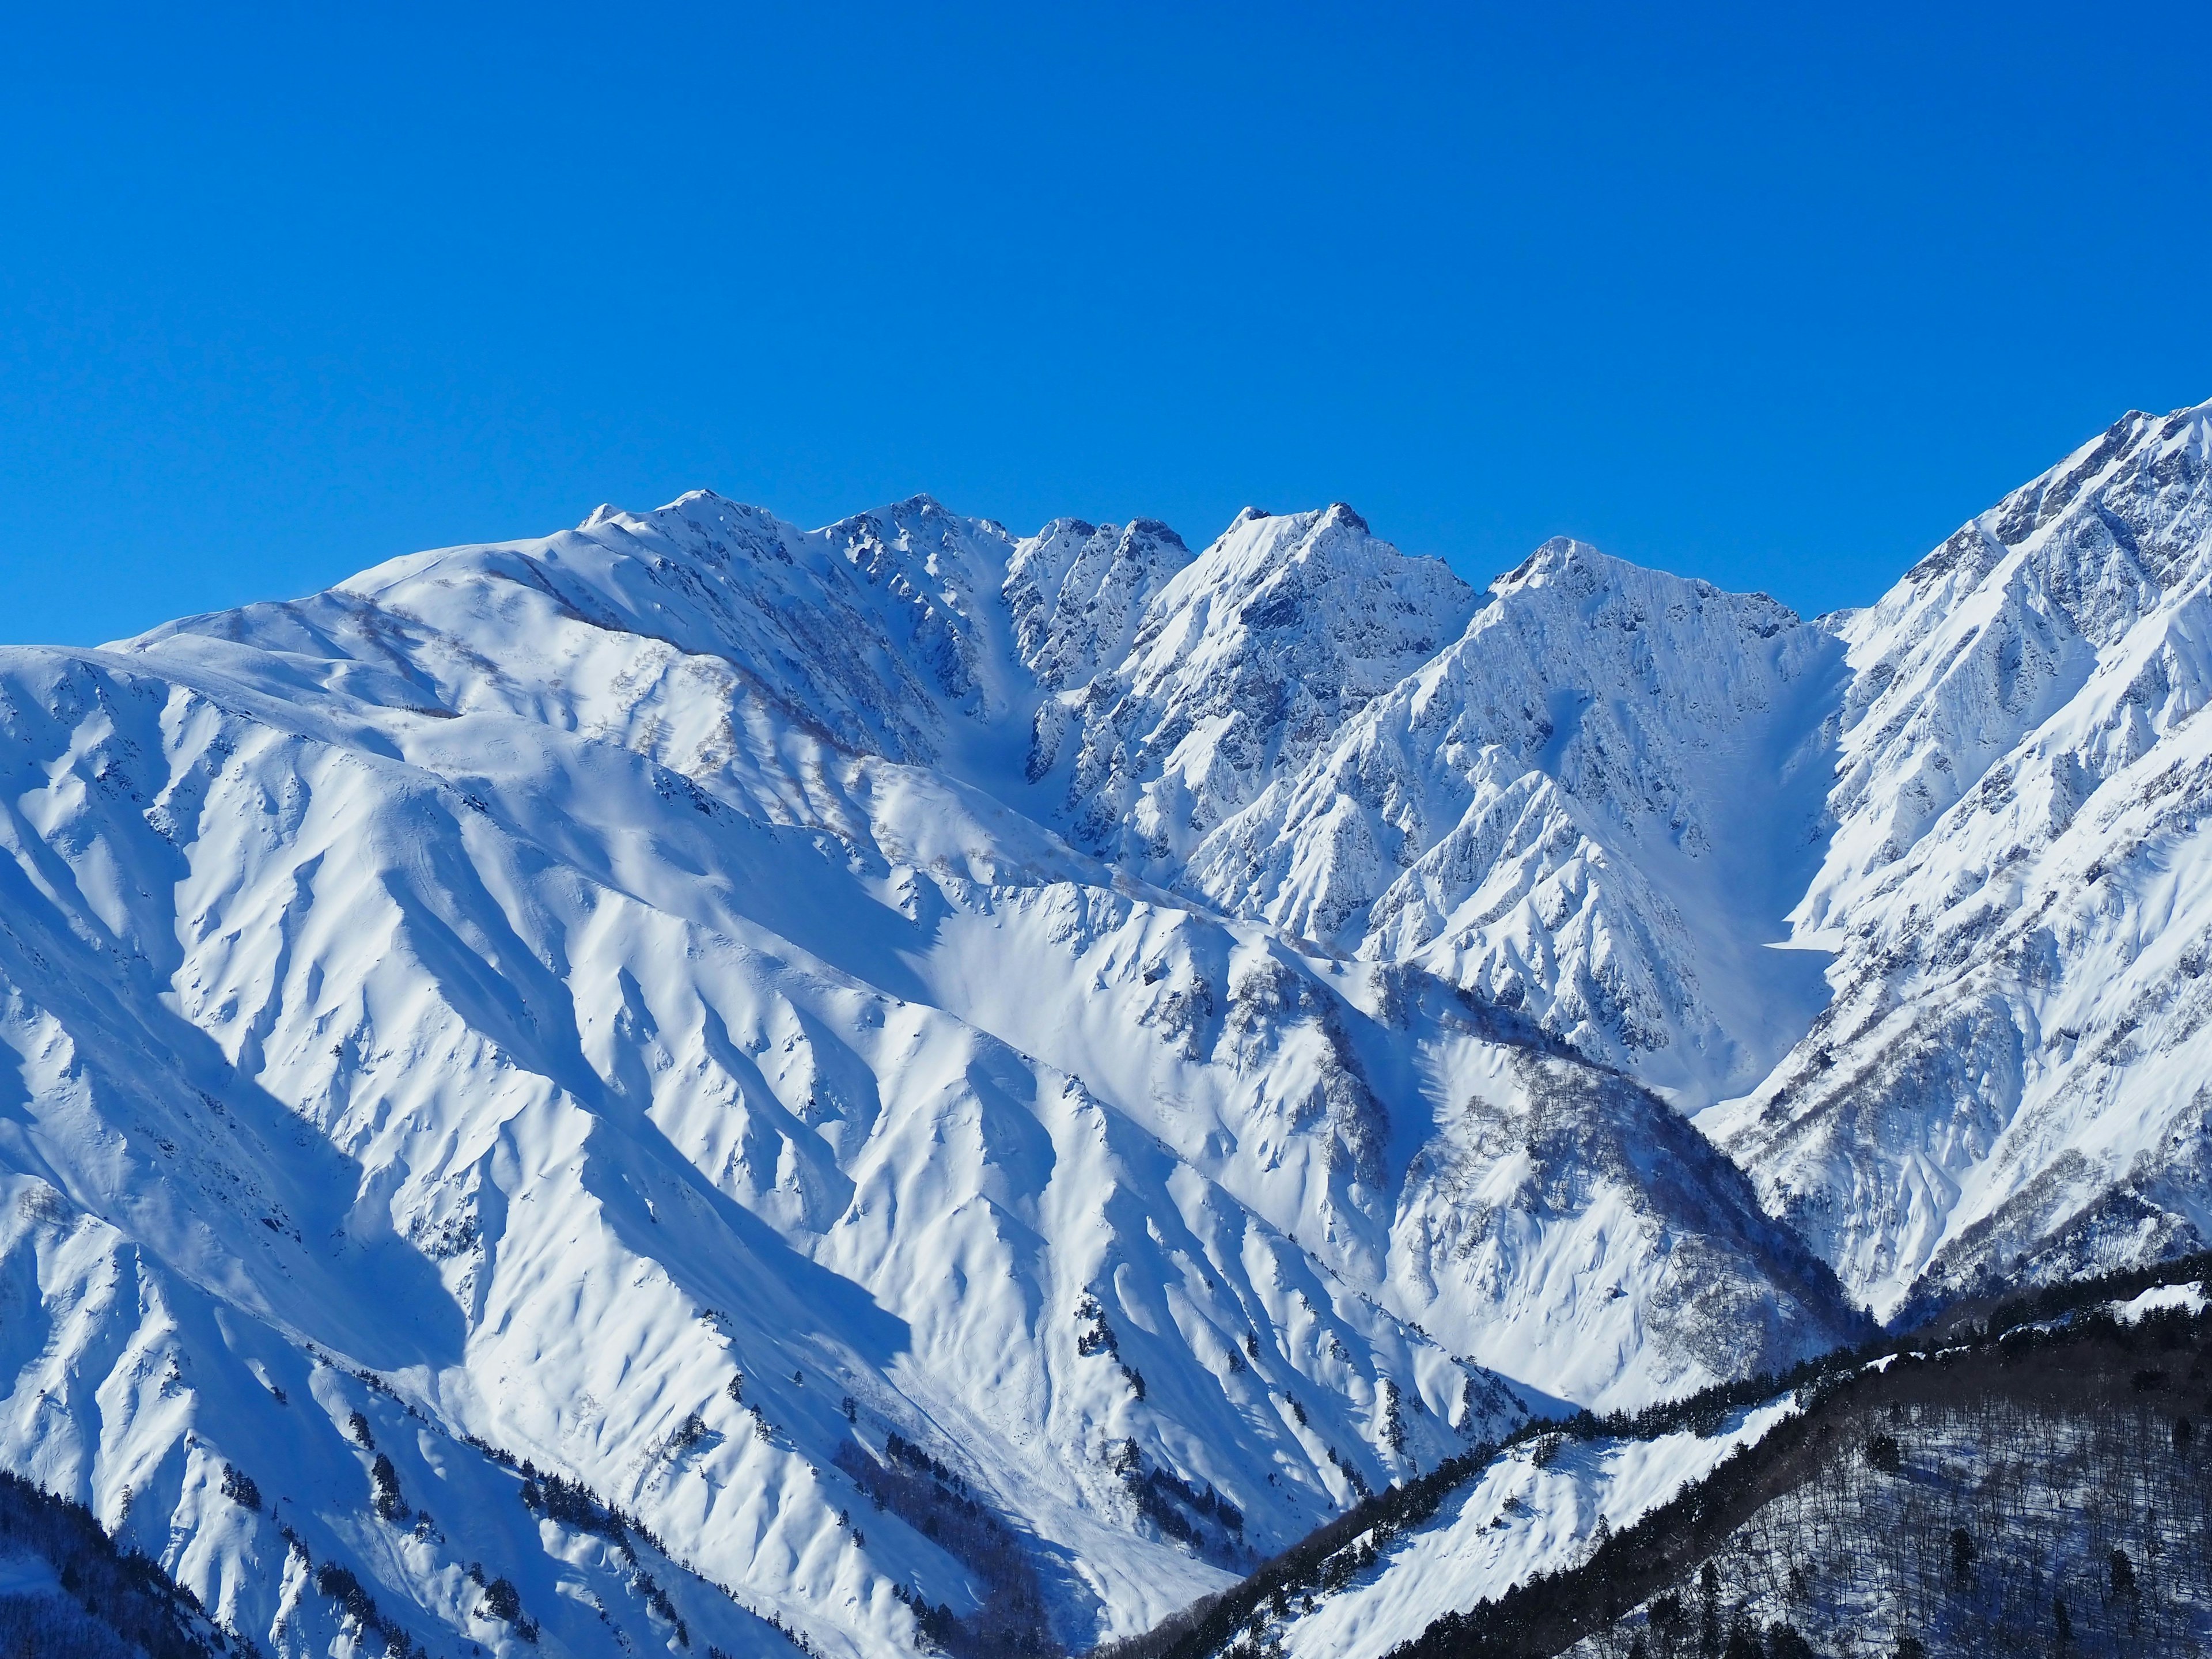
874,629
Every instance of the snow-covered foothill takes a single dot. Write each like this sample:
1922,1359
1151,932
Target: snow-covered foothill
1538,1507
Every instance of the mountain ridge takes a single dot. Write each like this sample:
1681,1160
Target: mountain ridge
1173,1041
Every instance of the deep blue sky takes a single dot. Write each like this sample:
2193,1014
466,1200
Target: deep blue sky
1773,298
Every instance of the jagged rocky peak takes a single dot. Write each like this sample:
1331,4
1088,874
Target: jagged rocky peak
1276,571
2100,536
1078,592
2142,471
1243,667
1560,558
2078,592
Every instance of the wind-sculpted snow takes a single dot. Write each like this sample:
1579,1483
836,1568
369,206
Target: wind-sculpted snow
1567,1218
562,1148
2010,1081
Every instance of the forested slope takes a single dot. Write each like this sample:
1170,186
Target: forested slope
2033,1477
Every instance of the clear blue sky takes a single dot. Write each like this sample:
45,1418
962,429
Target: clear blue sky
1776,294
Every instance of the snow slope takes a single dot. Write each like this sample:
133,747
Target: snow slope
2009,1081
1242,665
597,1008
2036,1438
1598,804
1538,1507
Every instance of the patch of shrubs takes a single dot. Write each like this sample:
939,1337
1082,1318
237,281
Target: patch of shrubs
384,1481
239,1487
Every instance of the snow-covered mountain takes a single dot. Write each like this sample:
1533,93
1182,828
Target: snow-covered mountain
971,1085
1242,665
609,1025
2010,1080
1597,803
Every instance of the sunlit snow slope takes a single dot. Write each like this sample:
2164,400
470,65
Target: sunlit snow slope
2011,1080
618,1010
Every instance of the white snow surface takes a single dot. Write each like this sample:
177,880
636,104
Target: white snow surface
684,999
2189,1298
1598,804
628,1001
2010,1081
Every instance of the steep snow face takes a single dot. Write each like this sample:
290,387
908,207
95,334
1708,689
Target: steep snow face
536,997
1552,1221
1243,667
1078,592
1598,804
2009,1079
1566,1220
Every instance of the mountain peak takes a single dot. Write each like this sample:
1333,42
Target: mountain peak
1574,567
1558,554
1274,554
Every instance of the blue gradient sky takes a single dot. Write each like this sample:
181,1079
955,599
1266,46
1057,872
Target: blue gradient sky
1774,301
